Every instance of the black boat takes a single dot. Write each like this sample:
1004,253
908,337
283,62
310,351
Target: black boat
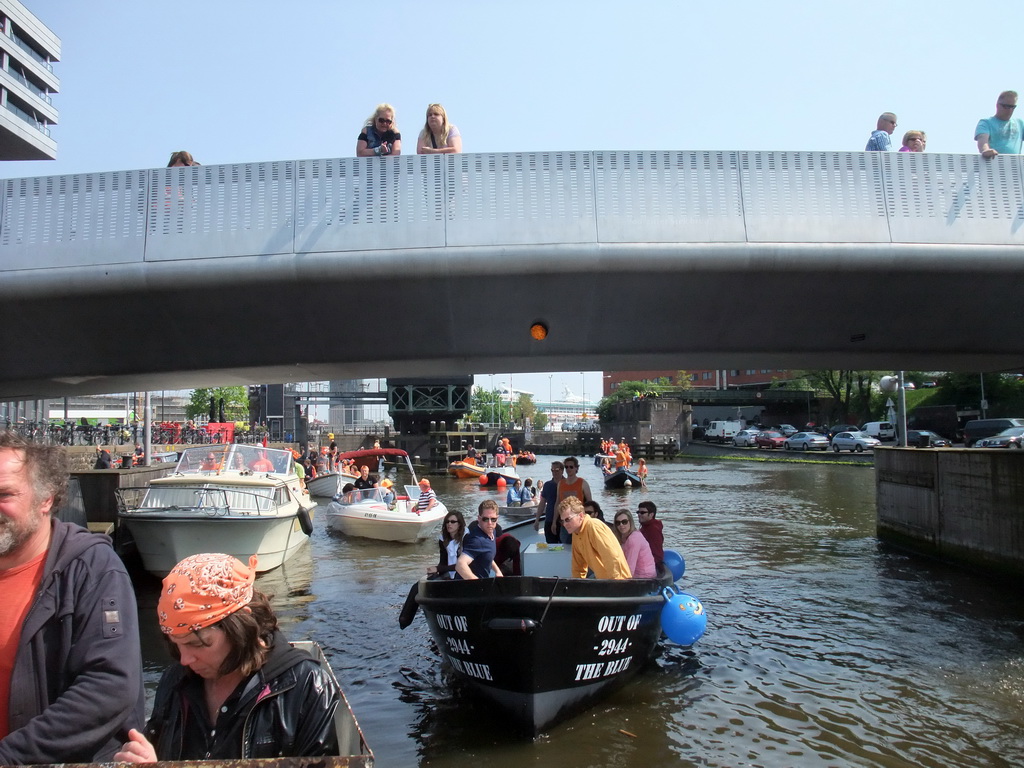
544,649
622,478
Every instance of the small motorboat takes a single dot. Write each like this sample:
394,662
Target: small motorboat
378,513
543,648
236,499
329,484
526,512
507,474
622,478
526,457
465,469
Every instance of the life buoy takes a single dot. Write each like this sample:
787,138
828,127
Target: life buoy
305,521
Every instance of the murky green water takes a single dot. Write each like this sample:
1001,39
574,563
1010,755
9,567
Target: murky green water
823,647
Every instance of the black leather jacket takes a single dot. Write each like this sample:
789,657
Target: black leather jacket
285,709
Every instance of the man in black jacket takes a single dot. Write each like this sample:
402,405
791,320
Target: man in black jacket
70,665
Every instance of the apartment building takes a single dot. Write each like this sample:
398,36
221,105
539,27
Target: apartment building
28,51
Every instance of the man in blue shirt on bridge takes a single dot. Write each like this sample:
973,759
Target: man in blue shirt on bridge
1002,133
879,141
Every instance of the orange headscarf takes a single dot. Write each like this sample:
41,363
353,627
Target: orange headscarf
203,589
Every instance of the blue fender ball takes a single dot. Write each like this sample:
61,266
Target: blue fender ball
683,618
675,563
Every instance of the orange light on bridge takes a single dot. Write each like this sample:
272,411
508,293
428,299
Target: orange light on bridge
539,331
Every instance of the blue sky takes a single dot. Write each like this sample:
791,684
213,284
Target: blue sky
235,81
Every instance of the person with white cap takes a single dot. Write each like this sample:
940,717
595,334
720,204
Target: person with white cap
238,689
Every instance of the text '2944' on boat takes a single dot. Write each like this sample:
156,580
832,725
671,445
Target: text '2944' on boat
237,499
383,513
545,648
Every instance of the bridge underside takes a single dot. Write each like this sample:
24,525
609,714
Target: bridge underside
446,311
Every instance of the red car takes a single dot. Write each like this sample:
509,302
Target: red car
770,440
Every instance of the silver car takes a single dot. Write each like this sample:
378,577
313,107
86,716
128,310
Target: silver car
745,438
853,441
806,441
1008,438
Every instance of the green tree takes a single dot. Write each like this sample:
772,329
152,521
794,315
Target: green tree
524,409
626,391
485,405
852,392
236,403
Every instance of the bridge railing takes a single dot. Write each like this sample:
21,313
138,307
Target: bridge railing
508,199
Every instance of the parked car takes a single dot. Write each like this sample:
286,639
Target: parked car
770,439
976,429
1008,438
806,441
786,429
883,430
925,438
721,431
745,438
835,429
854,440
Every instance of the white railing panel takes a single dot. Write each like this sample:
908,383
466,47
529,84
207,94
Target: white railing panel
369,203
813,197
529,198
954,198
80,220
668,197
218,211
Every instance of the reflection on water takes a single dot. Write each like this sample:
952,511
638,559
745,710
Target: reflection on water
823,648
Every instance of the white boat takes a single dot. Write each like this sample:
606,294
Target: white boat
329,484
379,513
237,499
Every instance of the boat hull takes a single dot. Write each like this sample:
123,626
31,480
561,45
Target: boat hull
165,538
544,649
620,477
330,484
463,471
372,521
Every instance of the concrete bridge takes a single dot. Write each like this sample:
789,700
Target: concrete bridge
348,268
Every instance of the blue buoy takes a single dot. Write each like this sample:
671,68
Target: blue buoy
682,617
675,563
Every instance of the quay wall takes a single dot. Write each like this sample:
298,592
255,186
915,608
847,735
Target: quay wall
961,505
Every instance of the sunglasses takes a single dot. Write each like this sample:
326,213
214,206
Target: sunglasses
452,522
383,120
488,519
567,519
1007,106
622,522
572,466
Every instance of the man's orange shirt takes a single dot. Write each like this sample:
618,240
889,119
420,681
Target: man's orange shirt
17,588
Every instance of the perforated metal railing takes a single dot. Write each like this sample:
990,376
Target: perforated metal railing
510,199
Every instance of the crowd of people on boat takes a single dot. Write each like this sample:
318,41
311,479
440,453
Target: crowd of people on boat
1001,134
71,682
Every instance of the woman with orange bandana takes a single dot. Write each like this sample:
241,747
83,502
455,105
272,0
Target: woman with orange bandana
236,680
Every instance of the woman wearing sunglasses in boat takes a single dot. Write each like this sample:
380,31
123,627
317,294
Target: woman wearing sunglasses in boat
634,547
380,135
238,689
449,546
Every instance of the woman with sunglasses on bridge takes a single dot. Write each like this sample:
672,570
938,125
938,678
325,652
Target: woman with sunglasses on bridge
634,547
380,135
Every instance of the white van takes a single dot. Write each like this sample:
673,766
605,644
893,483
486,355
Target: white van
721,431
881,430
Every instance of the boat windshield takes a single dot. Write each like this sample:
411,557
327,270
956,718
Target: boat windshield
212,500
366,496
234,458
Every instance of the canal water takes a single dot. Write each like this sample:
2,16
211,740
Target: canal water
823,648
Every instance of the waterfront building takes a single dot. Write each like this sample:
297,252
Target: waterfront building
28,50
